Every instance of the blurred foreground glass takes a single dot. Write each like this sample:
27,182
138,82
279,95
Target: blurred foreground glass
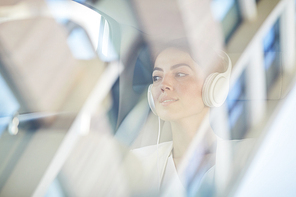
52,75
227,12
52,78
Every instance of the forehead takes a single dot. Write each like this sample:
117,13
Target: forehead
172,56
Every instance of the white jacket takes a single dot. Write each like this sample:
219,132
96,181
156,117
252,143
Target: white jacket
158,167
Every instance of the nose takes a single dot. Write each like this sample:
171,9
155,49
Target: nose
164,88
166,85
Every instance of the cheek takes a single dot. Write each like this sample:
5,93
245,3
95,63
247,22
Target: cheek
191,89
191,96
155,93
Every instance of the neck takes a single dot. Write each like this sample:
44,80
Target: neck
183,132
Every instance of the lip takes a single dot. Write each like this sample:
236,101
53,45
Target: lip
167,100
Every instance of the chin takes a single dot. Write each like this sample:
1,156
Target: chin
175,115
169,116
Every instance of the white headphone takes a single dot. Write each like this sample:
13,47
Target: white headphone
214,90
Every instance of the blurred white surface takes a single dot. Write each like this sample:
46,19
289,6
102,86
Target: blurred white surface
272,171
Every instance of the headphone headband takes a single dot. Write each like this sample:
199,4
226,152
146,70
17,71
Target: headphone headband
226,63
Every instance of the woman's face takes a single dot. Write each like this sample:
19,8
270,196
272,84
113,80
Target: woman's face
177,85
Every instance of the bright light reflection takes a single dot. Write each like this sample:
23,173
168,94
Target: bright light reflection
84,16
220,8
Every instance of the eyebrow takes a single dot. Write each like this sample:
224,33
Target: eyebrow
173,67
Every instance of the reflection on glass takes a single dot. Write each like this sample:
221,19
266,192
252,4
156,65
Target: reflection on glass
143,70
101,162
237,109
84,16
221,7
105,48
55,189
271,45
8,105
79,44
52,70
228,13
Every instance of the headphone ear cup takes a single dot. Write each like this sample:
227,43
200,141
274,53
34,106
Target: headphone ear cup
215,90
151,100
206,89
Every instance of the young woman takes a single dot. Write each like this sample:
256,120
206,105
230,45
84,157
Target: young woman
176,92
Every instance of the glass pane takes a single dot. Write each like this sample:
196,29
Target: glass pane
220,8
49,71
228,13
237,108
8,105
272,64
